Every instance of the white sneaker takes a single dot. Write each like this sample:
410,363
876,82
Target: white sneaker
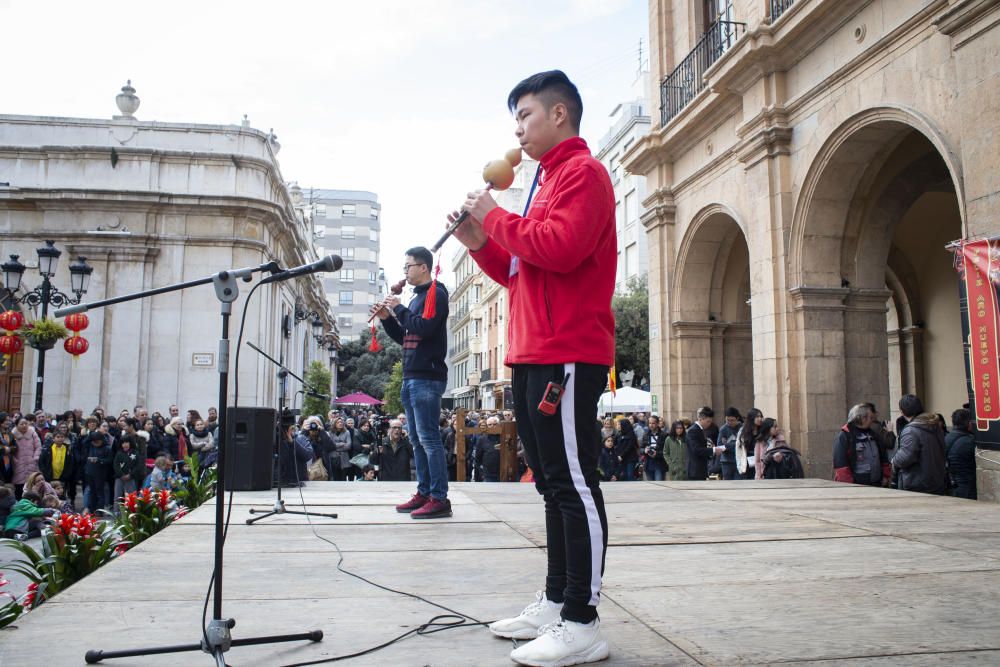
563,643
527,623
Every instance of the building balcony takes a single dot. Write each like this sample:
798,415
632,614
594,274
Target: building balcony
688,79
777,8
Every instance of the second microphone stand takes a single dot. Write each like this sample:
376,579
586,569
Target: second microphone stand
279,503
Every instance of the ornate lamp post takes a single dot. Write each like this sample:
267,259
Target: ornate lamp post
45,294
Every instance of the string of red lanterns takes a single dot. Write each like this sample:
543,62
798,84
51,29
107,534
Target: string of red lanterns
76,344
10,344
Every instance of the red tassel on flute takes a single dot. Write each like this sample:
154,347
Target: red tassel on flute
374,346
430,303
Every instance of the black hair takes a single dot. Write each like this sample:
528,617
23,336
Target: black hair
960,419
765,429
625,426
733,412
910,406
673,427
706,412
551,88
422,255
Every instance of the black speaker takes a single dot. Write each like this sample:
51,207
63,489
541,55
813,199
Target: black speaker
250,448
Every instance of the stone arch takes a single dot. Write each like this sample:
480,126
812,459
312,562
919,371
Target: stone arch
856,267
710,319
856,150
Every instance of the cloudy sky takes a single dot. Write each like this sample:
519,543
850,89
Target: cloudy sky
402,98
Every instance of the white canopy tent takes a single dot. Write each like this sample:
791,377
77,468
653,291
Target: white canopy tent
628,399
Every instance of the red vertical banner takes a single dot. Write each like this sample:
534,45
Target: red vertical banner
980,269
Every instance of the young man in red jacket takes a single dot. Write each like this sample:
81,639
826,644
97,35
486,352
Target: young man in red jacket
558,261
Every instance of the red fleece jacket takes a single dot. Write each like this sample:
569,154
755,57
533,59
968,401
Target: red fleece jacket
566,249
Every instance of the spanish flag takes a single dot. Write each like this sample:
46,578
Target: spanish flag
612,382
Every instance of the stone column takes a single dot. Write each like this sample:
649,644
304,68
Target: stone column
866,345
659,223
693,385
818,378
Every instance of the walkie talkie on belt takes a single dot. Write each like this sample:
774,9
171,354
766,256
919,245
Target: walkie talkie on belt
553,394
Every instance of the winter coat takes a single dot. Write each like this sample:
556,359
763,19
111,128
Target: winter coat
920,458
675,454
960,448
22,512
45,459
98,469
845,457
698,452
201,444
29,449
342,443
174,442
488,456
727,439
127,463
627,447
790,466
654,441
394,463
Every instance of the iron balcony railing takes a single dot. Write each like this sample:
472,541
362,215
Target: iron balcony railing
687,79
778,8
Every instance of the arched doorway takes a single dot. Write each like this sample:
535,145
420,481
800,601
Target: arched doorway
875,297
710,318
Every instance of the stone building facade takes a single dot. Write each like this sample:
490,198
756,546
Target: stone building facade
151,204
808,163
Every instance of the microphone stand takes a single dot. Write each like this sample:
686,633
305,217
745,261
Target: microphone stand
279,503
217,639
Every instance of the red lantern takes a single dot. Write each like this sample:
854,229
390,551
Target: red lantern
10,345
76,345
77,322
11,320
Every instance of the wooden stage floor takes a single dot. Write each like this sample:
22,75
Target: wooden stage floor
798,572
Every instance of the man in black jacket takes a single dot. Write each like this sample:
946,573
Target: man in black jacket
920,458
422,330
699,448
393,457
960,448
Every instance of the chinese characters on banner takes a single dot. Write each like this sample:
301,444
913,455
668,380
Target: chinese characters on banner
978,264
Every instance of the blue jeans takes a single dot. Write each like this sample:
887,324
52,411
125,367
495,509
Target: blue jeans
655,470
422,404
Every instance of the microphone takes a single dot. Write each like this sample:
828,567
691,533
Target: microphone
327,264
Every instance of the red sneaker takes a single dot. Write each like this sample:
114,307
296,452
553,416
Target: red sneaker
433,509
414,503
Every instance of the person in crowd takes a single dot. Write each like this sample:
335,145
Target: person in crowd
7,502
96,470
727,439
366,437
627,445
8,447
920,460
609,428
26,517
173,411
28,448
450,447
487,450
340,457
745,438
960,449
154,441
639,426
652,448
368,474
295,455
175,439
423,333
202,443
881,432
766,438
352,472
66,506
393,457
161,477
36,482
212,422
700,447
609,462
130,468
674,450
858,456
781,461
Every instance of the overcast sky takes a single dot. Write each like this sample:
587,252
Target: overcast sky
406,99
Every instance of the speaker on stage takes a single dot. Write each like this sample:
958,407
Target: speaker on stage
250,448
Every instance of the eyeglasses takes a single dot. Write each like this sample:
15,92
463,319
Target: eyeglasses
406,267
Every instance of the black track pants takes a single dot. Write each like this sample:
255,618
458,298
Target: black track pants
562,451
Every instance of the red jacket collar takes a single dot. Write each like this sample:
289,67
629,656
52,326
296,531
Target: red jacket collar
563,151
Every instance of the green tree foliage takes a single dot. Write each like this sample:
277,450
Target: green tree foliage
393,388
632,329
368,371
318,376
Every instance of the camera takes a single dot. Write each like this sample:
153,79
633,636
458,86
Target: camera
379,424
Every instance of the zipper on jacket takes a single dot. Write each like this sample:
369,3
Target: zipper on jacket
548,306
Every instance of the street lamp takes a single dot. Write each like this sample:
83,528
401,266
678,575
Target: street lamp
317,328
45,294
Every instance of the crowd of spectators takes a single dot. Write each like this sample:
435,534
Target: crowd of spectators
75,461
